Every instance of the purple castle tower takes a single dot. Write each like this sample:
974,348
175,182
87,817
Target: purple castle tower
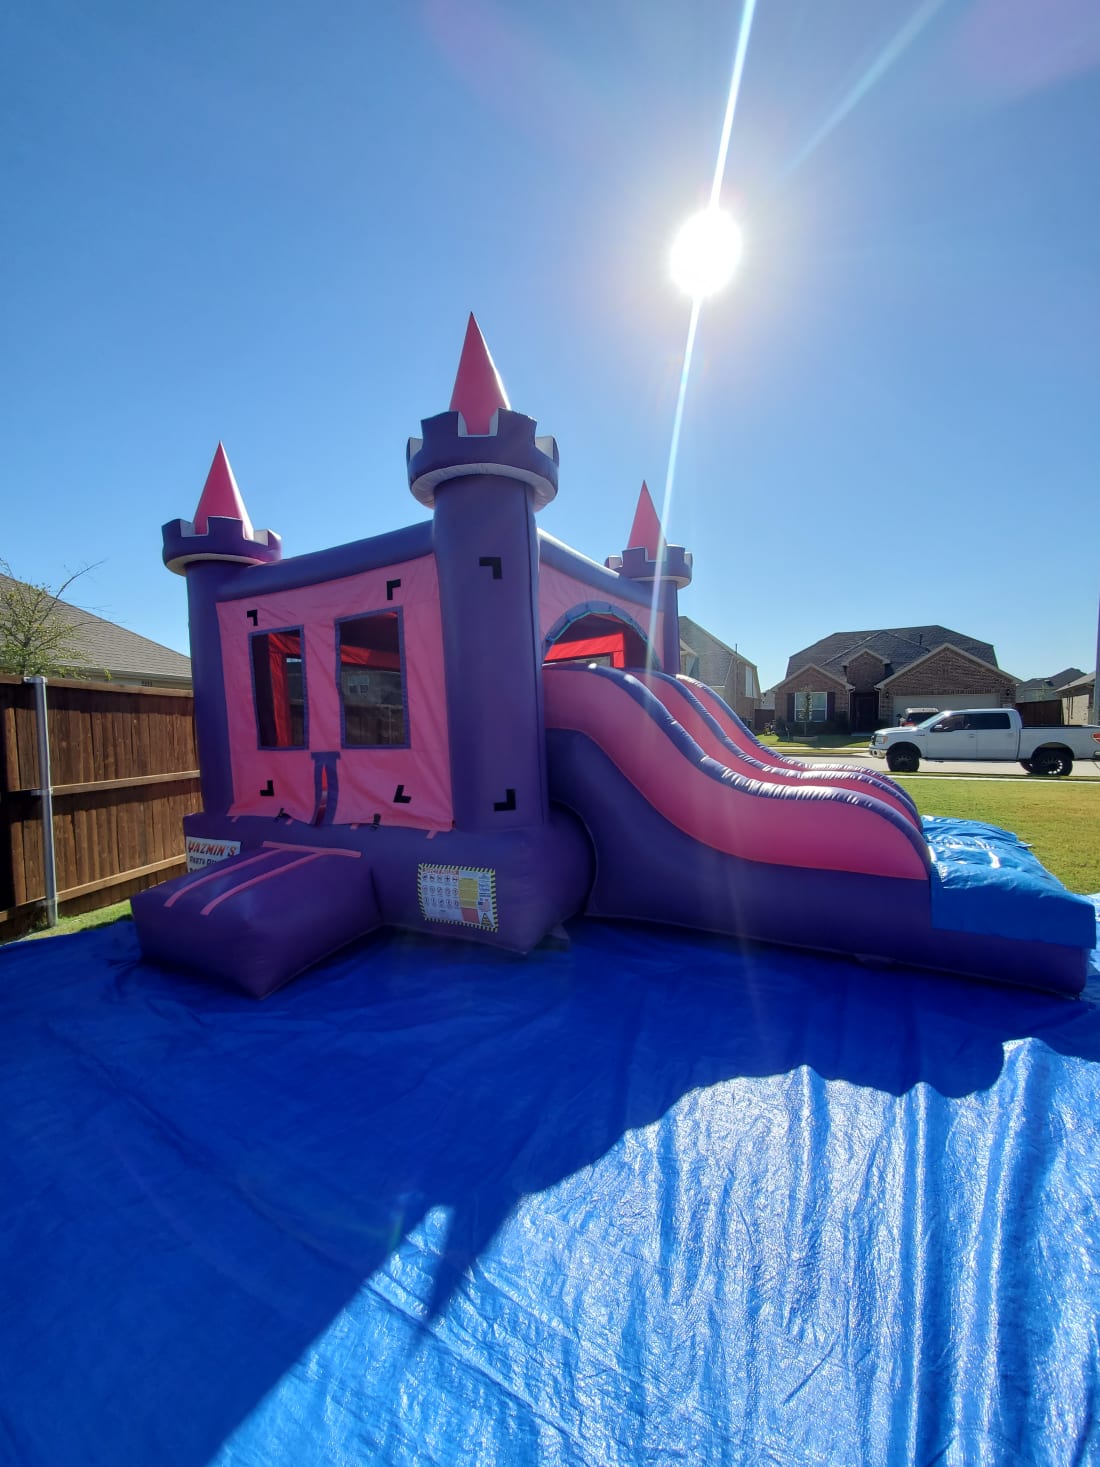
484,473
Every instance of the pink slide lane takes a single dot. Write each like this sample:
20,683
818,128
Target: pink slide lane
738,734
678,696
758,820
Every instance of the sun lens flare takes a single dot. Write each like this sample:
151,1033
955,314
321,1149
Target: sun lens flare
706,253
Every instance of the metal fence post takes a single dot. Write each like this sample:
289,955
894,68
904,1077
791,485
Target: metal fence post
45,791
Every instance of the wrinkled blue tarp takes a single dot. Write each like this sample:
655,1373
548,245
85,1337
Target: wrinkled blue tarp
651,1200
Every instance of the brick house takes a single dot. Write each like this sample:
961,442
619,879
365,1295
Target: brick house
1078,699
865,680
732,676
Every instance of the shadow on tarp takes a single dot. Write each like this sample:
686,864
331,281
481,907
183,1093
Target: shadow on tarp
195,1184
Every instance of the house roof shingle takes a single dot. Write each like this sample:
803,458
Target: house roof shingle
896,646
1053,684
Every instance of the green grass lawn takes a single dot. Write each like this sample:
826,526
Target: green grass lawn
100,918
817,744
1059,819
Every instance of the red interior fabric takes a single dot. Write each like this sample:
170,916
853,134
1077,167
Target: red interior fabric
590,647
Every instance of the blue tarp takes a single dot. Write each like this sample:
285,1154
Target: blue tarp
655,1199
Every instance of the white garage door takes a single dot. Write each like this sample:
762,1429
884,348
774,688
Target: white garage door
945,700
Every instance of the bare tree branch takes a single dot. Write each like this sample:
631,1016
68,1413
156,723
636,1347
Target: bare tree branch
39,636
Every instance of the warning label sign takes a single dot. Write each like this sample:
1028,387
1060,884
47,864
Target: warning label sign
203,852
464,894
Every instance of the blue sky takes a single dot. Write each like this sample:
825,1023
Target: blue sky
267,222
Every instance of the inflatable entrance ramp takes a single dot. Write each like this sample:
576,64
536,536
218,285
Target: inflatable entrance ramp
258,919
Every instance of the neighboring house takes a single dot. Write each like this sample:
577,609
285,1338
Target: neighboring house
1078,698
1040,701
1043,689
865,680
104,650
732,676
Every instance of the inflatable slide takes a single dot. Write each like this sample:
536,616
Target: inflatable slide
723,736
699,834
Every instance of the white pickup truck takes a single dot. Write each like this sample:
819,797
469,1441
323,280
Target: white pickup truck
985,733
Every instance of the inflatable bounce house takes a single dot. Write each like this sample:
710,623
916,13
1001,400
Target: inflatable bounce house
467,728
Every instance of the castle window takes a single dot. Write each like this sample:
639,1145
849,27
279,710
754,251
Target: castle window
372,681
278,678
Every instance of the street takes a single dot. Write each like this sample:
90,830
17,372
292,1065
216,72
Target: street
978,769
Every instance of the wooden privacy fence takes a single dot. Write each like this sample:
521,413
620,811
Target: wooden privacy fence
1044,714
123,775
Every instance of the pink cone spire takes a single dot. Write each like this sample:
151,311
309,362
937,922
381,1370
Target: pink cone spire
645,532
478,389
220,496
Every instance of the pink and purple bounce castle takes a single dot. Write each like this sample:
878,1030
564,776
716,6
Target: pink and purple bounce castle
468,729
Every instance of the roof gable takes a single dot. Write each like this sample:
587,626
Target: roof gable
1006,677
831,674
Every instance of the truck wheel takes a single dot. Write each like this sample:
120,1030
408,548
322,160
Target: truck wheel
902,759
1025,765
1051,761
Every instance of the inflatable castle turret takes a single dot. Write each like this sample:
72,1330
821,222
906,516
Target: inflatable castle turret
651,561
218,539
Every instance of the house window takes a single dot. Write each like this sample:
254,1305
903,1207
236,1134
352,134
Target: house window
372,681
278,677
810,707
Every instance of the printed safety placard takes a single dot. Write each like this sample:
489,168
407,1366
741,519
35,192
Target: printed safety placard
463,894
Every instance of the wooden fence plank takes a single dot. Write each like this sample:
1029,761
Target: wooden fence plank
120,877
27,741
9,766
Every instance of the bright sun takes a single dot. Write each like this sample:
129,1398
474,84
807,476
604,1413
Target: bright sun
706,253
